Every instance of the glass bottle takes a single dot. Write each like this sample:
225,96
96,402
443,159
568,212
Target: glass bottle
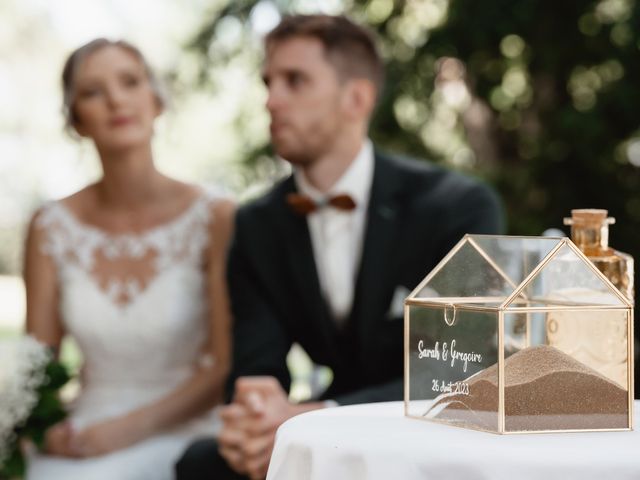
590,232
595,339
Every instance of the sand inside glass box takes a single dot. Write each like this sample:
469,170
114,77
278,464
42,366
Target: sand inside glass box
517,335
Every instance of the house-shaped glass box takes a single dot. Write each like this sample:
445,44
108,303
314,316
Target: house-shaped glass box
519,334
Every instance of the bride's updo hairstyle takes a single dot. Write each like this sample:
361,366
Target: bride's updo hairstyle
77,58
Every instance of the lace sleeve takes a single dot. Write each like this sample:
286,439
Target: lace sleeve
48,222
64,239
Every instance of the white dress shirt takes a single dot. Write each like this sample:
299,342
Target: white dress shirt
337,235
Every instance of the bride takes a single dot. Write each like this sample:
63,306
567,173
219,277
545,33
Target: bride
133,268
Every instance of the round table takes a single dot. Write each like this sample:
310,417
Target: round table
376,442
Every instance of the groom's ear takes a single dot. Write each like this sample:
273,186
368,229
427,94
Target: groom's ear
359,98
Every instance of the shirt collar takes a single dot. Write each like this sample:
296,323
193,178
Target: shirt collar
355,181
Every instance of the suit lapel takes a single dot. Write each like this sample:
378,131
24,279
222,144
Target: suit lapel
375,266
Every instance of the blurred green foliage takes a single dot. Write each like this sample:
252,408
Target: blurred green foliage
539,98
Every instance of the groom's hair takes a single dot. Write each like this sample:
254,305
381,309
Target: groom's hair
350,48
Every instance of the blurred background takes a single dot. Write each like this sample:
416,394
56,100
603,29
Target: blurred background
538,98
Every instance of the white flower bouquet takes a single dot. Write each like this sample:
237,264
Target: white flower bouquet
30,379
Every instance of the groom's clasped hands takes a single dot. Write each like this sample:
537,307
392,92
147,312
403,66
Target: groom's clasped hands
259,407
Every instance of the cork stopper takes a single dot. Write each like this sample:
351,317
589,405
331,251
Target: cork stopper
590,216
590,230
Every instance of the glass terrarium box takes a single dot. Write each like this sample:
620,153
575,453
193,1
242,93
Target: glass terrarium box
519,334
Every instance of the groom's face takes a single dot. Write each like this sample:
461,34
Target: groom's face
305,99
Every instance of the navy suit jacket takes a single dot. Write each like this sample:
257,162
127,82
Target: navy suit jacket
417,213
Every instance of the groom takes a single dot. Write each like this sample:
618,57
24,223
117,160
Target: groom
326,257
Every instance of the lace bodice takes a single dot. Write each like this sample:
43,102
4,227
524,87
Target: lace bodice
135,303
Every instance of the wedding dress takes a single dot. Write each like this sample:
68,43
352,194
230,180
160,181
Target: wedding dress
136,305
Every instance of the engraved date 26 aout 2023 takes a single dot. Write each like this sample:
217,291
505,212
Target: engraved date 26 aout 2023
461,388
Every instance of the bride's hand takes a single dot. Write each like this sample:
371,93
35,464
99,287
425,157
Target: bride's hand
104,437
57,440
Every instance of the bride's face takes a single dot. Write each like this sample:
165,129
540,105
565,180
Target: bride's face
114,103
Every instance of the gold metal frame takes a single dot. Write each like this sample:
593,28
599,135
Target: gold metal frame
504,306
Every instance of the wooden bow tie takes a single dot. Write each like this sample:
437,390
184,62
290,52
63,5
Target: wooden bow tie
303,204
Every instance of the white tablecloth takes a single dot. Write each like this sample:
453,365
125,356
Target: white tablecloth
376,442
